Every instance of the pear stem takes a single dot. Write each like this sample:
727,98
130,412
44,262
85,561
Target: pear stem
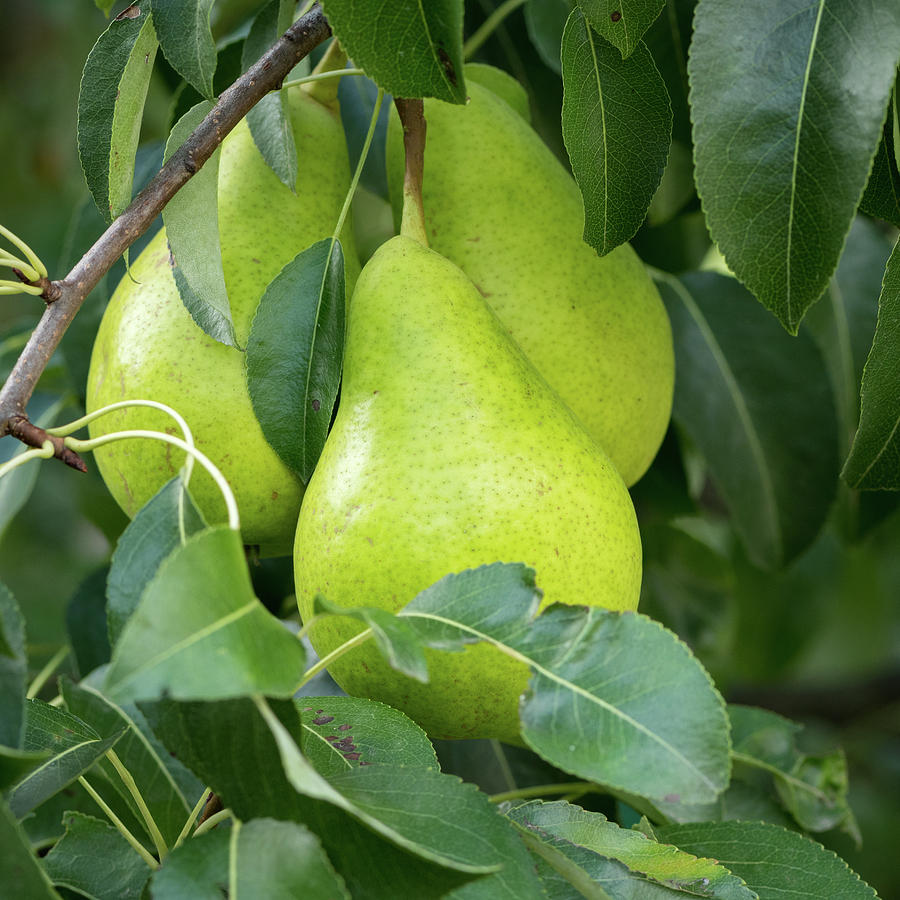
412,117
325,91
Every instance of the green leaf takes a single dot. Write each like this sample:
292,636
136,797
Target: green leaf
13,671
198,869
812,788
882,196
545,21
621,22
410,48
186,40
396,640
191,219
758,406
105,6
18,864
111,106
200,633
606,715
782,146
294,354
592,843
144,757
74,748
874,461
150,537
269,120
617,124
779,864
94,860
86,623
16,764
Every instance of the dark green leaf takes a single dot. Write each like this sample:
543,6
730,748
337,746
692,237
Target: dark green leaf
617,124
779,864
269,120
396,640
94,860
410,48
592,842
18,864
150,537
545,20
621,22
111,106
607,716
192,227
356,98
340,733
874,461
74,746
16,764
882,196
86,623
13,671
186,40
783,146
147,761
198,869
294,354
199,633
758,406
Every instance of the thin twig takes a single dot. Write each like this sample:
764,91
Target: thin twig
265,75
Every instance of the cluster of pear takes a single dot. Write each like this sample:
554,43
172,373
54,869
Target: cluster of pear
500,388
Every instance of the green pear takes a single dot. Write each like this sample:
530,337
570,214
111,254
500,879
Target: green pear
449,451
148,346
502,207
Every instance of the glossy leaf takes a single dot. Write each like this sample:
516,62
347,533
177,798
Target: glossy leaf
13,671
787,111
545,21
147,761
269,120
882,196
111,106
198,869
200,633
668,40
186,40
596,845
778,864
758,406
617,124
874,461
605,716
150,537
94,860
340,733
396,640
622,22
18,864
356,99
294,354
192,227
74,748
410,48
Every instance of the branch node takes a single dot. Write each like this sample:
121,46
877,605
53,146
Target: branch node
27,433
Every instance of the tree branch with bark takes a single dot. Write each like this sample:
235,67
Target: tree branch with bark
65,297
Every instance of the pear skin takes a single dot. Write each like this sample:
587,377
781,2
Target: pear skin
502,207
149,347
450,451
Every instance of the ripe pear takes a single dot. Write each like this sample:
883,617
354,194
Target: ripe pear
450,451
148,346
501,206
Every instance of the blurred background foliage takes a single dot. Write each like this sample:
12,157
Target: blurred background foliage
818,641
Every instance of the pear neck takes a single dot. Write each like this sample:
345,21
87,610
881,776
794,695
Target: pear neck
326,91
412,117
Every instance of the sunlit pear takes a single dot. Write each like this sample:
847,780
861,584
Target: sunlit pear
149,347
450,451
501,206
